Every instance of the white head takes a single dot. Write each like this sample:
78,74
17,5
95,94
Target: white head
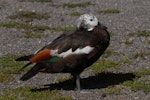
87,21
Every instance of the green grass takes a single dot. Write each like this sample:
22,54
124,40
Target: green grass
143,33
75,14
111,34
129,43
102,65
57,29
108,53
25,93
141,82
14,24
42,1
138,84
141,72
131,34
29,15
74,5
141,54
109,11
63,29
33,35
62,79
140,33
116,90
37,29
31,31
125,61
8,66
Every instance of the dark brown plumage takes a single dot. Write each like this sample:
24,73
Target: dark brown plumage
69,53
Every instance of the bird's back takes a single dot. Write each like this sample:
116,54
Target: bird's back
76,63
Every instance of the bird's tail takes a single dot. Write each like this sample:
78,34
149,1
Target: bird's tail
25,58
24,66
32,72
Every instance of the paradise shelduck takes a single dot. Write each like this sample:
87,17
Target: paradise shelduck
70,53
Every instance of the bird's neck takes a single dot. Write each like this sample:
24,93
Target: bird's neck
103,35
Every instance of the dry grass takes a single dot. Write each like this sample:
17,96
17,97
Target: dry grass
109,11
25,93
74,5
29,15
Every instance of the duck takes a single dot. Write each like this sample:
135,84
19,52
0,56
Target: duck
70,52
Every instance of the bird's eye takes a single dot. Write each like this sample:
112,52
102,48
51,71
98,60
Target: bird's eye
91,19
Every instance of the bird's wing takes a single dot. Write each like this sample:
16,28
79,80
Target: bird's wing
65,45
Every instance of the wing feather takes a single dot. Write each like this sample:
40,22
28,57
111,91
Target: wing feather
67,44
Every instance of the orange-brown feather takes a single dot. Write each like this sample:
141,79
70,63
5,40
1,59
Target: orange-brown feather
41,56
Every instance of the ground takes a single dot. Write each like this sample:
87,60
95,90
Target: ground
122,73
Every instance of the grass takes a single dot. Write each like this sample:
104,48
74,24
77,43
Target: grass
29,15
35,31
62,79
14,24
102,65
138,84
141,54
63,29
31,31
131,34
107,53
8,66
74,5
42,1
111,34
140,33
129,43
143,33
27,29
116,90
109,11
25,93
141,72
75,14
141,82
34,35
125,61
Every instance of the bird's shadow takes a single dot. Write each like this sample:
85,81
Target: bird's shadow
101,80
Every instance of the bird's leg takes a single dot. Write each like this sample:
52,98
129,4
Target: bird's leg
78,82
76,79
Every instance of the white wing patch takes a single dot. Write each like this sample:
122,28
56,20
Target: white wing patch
85,50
